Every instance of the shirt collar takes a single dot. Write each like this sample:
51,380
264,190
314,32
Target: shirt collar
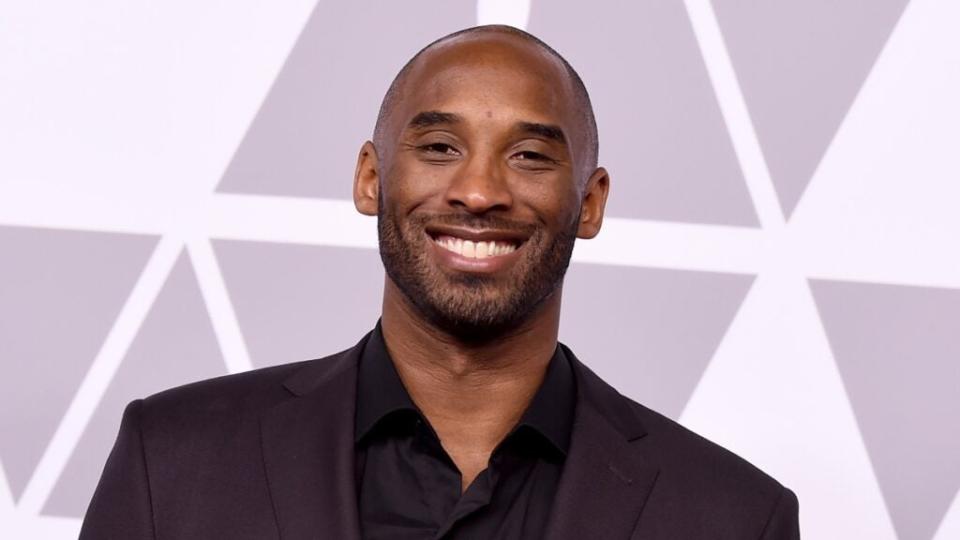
380,392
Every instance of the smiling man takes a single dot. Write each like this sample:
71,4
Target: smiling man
460,415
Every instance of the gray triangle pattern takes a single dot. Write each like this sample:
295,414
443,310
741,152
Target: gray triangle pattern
323,105
662,136
176,345
60,292
306,302
649,332
800,66
898,350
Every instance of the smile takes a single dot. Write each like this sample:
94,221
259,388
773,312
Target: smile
475,249
465,249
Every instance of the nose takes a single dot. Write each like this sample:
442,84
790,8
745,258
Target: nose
480,186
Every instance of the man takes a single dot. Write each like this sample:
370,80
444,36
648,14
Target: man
459,415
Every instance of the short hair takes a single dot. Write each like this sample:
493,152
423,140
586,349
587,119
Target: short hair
581,96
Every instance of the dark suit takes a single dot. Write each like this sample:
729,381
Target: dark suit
270,453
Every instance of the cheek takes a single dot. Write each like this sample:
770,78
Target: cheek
410,186
557,208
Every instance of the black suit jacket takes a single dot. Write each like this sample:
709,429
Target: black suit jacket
270,454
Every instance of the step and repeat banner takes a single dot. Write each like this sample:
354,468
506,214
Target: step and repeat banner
779,270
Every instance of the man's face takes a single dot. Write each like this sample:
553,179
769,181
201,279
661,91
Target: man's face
479,195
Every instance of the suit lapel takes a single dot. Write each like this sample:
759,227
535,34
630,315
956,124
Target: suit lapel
308,451
606,481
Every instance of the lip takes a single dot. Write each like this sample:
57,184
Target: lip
477,235
487,265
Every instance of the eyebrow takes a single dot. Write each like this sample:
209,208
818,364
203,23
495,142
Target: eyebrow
546,131
427,119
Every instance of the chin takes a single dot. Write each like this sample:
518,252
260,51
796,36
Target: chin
478,316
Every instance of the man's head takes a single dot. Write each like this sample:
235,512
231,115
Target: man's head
482,173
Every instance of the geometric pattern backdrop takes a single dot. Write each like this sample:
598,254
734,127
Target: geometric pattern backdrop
778,270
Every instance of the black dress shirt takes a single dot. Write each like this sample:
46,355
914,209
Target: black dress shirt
409,488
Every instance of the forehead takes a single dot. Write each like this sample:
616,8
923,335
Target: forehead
491,73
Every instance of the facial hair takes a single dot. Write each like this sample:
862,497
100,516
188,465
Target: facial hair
473,307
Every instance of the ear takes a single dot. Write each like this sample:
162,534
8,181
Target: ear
594,202
366,181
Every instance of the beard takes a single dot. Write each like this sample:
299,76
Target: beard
473,307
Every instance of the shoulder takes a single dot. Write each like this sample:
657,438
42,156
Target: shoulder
229,392
716,489
702,486
694,473
686,456
226,402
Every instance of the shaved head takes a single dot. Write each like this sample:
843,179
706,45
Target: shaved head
581,98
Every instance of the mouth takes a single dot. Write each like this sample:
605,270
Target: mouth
476,250
476,244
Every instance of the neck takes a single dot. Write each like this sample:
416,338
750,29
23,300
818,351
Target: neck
472,393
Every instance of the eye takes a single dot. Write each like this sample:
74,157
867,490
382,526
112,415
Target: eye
438,148
531,161
529,155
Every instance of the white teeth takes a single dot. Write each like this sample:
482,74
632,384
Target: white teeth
475,250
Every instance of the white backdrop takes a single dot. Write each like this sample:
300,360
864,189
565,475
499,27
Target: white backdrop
782,241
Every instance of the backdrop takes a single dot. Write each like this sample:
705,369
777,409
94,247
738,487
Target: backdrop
779,271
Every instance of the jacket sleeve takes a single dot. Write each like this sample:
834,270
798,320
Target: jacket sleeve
784,522
121,506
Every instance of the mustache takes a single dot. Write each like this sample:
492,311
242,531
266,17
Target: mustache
472,221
